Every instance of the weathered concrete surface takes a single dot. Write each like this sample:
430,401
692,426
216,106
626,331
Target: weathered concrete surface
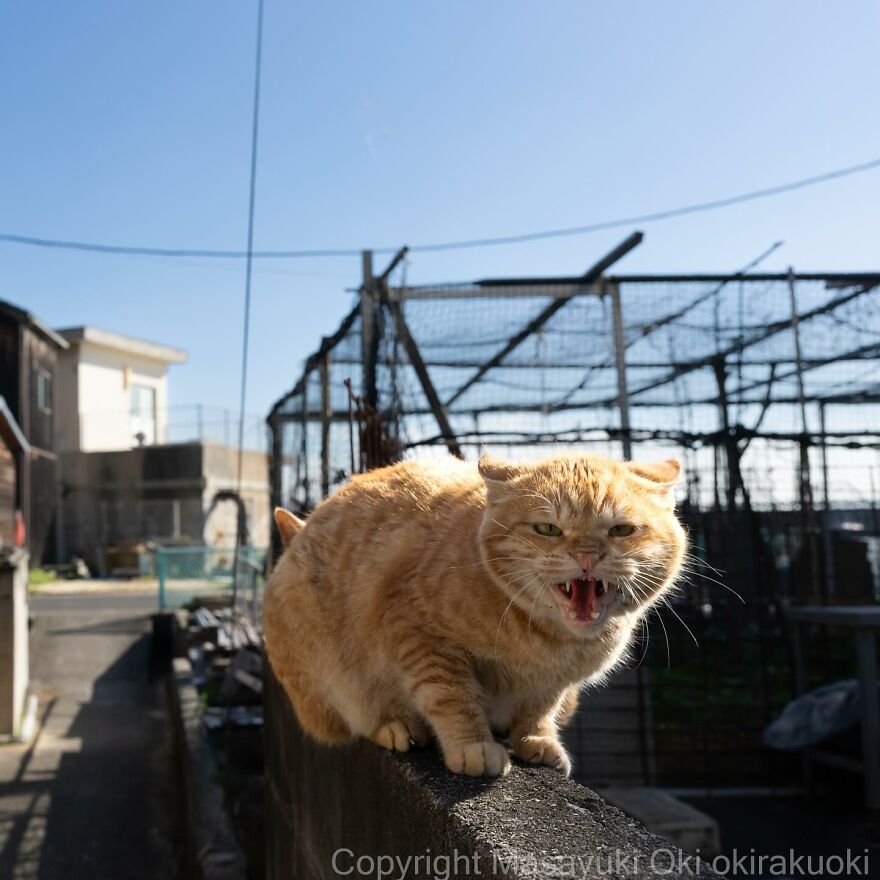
14,665
359,802
211,849
668,816
90,797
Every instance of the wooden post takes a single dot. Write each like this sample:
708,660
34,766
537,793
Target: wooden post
806,489
415,358
276,470
826,502
326,415
827,539
731,444
620,360
369,340
304,445
805,485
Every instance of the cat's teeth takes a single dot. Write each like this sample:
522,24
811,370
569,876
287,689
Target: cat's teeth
594,615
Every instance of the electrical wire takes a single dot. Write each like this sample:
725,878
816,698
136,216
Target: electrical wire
657,216
255,129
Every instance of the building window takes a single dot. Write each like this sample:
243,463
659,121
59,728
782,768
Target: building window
44,391
143,415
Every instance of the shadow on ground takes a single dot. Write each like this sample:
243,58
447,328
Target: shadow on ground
91,797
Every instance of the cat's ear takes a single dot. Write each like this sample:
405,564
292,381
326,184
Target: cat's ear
495,469
288,525
658,478
495,473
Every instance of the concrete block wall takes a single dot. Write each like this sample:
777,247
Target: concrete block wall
14,659
358,811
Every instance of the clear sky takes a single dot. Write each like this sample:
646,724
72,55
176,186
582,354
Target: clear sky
386,123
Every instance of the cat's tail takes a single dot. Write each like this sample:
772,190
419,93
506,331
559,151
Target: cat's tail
288,525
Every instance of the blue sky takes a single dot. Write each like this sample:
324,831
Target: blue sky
390,123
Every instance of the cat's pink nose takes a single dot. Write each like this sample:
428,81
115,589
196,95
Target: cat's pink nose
587,560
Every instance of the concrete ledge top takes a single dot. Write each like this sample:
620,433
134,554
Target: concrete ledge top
533,823
358,811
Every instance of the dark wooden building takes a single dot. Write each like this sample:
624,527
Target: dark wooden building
28,362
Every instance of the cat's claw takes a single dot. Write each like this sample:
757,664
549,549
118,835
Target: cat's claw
398,735
546,750
488,758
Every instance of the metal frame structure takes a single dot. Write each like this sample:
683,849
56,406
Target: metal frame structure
766,384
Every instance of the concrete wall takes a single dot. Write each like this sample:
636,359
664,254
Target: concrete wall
158,493
13,641
326,808
96,385
221,470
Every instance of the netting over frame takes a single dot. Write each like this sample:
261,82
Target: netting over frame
561,384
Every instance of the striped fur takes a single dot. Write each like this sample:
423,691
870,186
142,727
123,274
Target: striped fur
420,602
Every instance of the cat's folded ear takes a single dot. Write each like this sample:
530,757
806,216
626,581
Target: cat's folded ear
658,478
495,469
288,525
496,473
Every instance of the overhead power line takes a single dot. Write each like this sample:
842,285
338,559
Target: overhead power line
564,232
249,253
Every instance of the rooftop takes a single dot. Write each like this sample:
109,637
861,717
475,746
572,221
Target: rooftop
120,342
22,316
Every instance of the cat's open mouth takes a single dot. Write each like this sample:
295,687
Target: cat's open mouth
585,601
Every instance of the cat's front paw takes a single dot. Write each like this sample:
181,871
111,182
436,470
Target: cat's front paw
546,750
398,734
487,758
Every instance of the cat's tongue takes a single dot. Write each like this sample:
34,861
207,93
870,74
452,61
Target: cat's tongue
584,598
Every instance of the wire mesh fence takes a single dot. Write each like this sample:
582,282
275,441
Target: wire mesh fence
766,386
184,573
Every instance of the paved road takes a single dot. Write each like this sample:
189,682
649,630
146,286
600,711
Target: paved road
91,797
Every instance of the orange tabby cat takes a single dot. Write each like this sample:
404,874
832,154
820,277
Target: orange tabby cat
454,600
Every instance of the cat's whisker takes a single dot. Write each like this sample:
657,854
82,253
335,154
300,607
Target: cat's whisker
687,572
538,595
492,559
690,557
665,636
646,631
520,576
518,537
668,604
504,614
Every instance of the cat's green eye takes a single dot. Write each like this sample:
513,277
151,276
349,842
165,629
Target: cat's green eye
548,530
621,530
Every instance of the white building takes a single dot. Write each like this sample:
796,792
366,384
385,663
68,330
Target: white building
112,390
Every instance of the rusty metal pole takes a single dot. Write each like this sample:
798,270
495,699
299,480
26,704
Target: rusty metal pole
620,361
326,415
827,539
805,485
368,328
